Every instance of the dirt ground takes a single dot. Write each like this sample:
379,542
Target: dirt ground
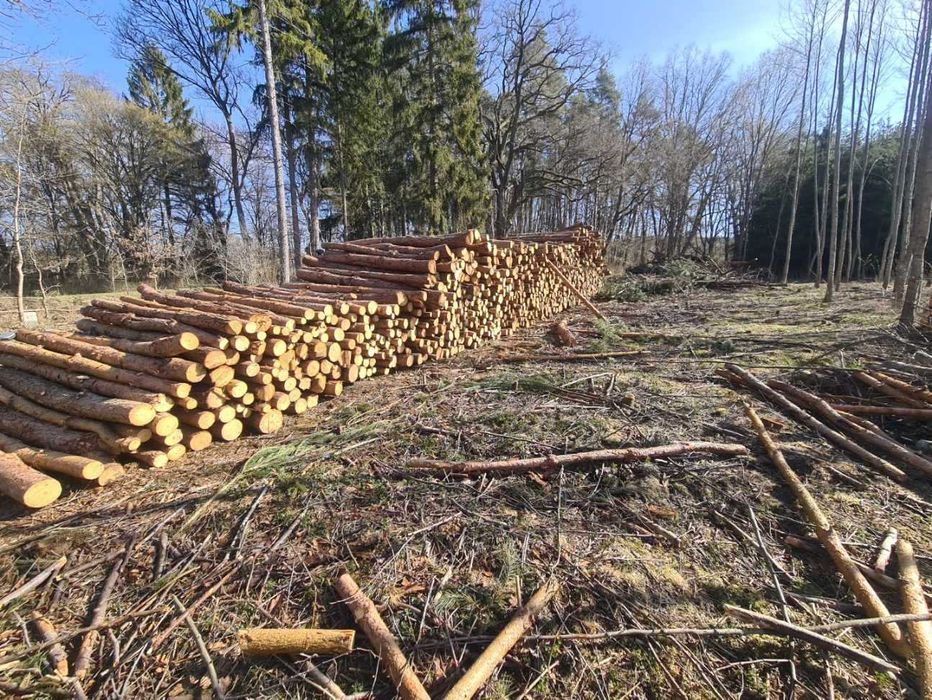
252,533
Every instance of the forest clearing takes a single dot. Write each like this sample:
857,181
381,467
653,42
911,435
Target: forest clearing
255,532
465,349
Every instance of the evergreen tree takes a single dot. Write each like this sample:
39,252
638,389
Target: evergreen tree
431,54
189,190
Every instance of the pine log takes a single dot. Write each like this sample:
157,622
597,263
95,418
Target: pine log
45,633
83,403
112,471
914,602
75,466
830,540
483,668
40,434
264,641
196,440
79,365
163,346
267,422
227,431
551,463
212,323
920,394
104,432
165,368
24,484
383,642
127,320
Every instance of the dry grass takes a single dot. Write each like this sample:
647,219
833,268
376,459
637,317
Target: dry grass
448,560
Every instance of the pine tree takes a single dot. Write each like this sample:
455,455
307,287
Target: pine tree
189,190
432,55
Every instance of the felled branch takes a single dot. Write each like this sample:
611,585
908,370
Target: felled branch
550,463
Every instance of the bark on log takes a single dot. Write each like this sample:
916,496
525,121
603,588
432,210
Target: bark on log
914,602
126,318
107,377
830,540
75,466
164,346
383,642
84,404
212,323
24,484
483,668
173,368
45,633
106,435
36,432
552,463
919,414
286,642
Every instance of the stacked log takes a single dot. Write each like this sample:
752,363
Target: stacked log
150,378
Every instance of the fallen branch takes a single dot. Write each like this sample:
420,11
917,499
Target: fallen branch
33,583
570,357
919,414
861,430
483,668
863,591
742,377
550,463
367,617
914,602
82,660
574,289
814,638
201,648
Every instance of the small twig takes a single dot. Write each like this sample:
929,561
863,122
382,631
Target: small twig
239,534
201,647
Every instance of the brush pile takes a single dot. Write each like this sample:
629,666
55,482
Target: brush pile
150,378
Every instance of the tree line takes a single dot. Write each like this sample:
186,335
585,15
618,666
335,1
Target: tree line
249,132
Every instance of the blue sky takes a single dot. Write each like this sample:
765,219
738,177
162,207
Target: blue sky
627,29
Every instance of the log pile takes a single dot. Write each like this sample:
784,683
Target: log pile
150,378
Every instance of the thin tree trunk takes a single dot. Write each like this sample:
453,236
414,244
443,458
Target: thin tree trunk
235,179
291,156
894,237
784,275
17,228
921,216
283,242
836,167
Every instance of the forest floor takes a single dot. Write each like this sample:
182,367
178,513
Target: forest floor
448,560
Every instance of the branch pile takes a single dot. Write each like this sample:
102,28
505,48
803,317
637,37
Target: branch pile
855,425
153,377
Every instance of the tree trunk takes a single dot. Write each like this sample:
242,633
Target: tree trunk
291,155
235,178
281,209
921,215
836,167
